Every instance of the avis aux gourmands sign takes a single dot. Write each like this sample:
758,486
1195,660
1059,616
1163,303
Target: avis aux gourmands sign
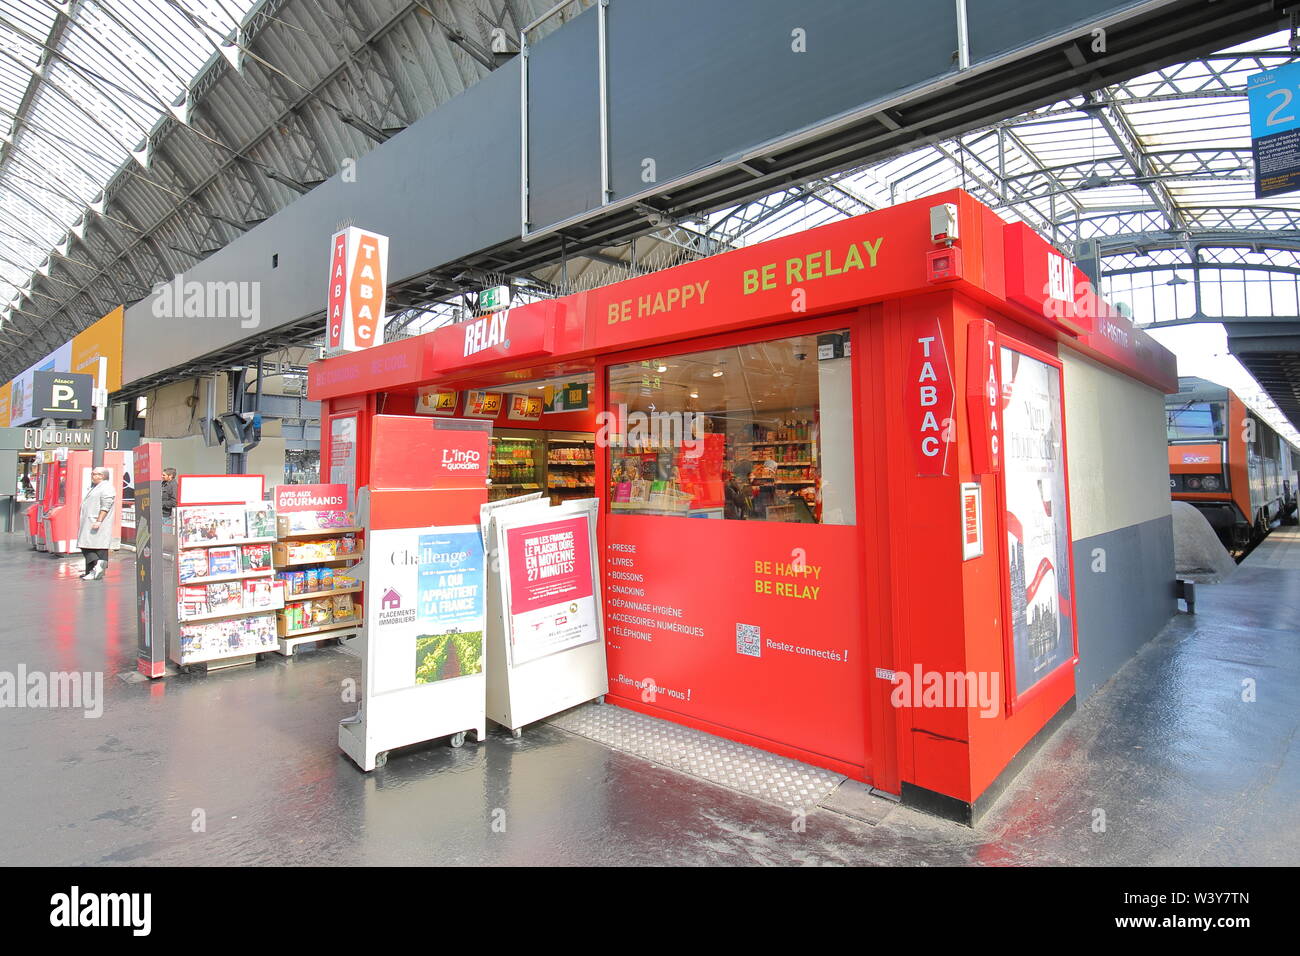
355,309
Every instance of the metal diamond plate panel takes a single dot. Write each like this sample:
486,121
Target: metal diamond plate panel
786,783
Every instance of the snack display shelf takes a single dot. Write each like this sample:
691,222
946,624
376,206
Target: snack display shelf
221,544
318,629
585,463
337,559
796,441
218,579
320,533
321,594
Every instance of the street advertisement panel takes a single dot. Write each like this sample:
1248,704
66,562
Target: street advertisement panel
151,649
343,453
1038,537
425,617
552,599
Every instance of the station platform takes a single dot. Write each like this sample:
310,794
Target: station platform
1188,755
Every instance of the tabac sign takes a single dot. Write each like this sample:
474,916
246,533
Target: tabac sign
355,316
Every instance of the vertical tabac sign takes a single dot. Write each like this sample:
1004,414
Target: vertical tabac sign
928,399
355,306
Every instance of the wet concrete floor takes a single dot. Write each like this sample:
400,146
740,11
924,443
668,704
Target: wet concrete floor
242,766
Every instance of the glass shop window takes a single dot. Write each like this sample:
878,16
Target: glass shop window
760,432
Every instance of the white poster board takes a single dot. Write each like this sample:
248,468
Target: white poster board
422,653
545,637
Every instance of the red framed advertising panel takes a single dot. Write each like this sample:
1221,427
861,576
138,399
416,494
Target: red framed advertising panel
726,692
1064,671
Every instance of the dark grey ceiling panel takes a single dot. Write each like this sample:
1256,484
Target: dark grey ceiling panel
1000,26
564,122
694,83
447,185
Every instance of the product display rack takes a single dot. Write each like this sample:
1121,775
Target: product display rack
291,632
200,632
570,467
516,466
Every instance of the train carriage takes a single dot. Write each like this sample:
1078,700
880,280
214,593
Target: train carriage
1228,462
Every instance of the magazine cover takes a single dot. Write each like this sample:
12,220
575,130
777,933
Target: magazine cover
260,520
223,561
191,601
257,557
192,564
210,524
226,596
259,592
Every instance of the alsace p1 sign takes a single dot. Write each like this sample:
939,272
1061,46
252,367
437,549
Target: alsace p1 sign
355,304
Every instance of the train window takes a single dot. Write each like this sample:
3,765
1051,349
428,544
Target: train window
757,432
1196,420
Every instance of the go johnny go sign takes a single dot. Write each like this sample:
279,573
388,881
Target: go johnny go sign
355,316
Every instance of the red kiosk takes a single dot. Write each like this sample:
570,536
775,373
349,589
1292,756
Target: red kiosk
869,419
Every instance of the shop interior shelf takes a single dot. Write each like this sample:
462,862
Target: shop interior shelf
586,464
221,544
800,441
290,598
242,612
229,577
333,626
321,533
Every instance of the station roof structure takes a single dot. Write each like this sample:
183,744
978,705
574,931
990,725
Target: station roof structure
144,135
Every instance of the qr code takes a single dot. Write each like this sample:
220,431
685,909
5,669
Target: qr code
749,640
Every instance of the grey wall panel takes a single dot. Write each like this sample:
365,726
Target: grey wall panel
693,83
446,186
999,26
564,122
1125,606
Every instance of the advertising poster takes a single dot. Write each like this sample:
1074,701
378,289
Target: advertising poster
1038,539
343,453
431,401
425,615
525,408
482,404
451,606
551,590
150,629
568,398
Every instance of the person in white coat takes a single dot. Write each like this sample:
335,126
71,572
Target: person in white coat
96,531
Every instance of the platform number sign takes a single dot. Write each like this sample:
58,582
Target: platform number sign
1274,99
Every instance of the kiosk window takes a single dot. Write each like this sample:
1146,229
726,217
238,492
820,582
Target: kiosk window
760,432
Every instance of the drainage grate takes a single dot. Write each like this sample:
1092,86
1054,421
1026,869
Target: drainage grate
786,783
